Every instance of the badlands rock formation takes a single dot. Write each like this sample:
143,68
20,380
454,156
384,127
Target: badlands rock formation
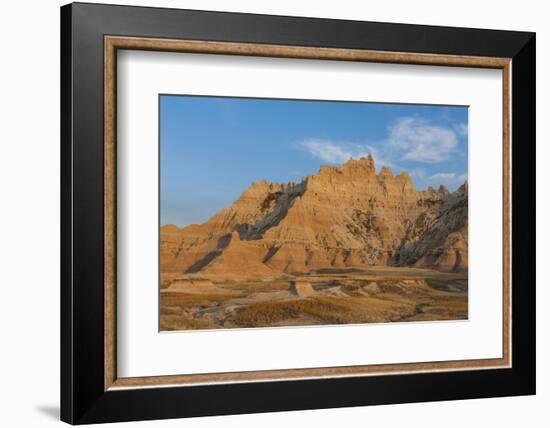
343,217
301,288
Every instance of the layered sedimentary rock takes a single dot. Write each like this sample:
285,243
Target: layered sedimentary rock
438,238
301,288
343,217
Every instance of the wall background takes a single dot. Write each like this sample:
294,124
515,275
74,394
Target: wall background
29,214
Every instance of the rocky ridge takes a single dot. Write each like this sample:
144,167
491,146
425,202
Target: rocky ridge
345,216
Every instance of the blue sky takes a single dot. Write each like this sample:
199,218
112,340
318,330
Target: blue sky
212,148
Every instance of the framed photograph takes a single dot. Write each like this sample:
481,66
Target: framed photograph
266,213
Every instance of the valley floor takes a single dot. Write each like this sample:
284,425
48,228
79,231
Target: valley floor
374,295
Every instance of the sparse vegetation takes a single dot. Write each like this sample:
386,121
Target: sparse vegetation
375,295
325,309
181,322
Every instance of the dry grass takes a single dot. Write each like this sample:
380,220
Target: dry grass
181,322
448,310
192,299
396,298
326,309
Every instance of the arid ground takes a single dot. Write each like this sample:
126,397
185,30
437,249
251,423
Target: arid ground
345,246
374,294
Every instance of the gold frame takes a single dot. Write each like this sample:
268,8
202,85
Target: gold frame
112,43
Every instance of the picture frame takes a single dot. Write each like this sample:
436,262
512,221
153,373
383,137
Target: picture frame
91,390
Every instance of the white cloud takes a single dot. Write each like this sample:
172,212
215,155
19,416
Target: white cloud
380,159
328,151
419,140
461,129
444,176
449,179
338,152
409,139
